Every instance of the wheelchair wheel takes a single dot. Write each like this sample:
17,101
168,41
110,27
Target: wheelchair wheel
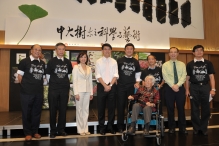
158,140
124,136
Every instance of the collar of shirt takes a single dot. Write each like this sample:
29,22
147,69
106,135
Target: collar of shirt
151,67
32,59
60,58
128,57
195,60
173,61
104,58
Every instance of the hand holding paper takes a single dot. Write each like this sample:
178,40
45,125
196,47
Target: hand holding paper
210,98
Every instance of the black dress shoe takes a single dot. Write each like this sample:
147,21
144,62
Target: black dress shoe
112,131
171,131
131,130
62,133
102,132
52,135
184,131
205,133
120,131
195,132
146,132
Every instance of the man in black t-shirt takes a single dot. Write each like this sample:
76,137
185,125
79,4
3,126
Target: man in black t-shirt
199,72
129,76
58,73
30,75
156,72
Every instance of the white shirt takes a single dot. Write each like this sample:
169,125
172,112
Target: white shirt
199,60
62,58
101,68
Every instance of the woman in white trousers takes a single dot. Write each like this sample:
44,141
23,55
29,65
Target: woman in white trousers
83,91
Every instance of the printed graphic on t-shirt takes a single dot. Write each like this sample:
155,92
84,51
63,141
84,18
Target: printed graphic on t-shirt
37,71
128,68
157,77
200,72
61,70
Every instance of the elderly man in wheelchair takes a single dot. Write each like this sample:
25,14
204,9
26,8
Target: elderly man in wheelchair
146,96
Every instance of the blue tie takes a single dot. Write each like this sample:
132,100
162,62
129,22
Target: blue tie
175,73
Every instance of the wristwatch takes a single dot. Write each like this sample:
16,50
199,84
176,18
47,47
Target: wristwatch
213,89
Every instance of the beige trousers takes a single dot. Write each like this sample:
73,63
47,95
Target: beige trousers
82,112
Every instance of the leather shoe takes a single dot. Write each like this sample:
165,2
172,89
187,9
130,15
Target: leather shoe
62,133
37,136
52,135
112,131
131,130
87,133
28,138
120,131
102,132
82,134
205,133
195,132
146,132
184,131
171,131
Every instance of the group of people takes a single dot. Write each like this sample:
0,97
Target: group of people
117,81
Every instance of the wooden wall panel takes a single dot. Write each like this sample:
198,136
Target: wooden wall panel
2,37
215,60
4,79
182,57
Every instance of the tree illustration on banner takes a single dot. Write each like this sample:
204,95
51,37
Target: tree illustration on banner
33,12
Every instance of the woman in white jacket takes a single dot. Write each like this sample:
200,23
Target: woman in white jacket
83,91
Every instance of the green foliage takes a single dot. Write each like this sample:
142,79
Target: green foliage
33,12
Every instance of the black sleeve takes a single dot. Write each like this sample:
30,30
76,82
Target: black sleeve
210,68
143,75
161,75
118,61
44,68
188,69
138,69
22,65
48,68
69,67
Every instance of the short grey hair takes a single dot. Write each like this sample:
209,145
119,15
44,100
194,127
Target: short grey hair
151,78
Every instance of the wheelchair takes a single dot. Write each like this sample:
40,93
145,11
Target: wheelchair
156,120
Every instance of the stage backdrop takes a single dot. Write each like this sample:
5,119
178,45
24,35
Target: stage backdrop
86,23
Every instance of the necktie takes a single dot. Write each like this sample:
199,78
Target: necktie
175,73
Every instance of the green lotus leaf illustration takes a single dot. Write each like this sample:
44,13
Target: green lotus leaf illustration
33,12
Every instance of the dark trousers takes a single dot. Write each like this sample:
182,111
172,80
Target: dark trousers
31,112
58,100
123,91
200,97
161,92
178,98
102,97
